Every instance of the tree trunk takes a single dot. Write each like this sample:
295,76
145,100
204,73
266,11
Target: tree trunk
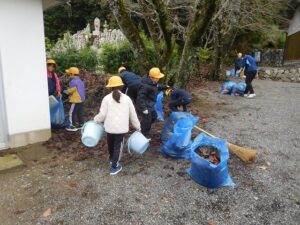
151,25
204,11
224,41
131,32
166,29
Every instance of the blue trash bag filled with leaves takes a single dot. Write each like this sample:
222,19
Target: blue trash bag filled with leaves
179,144
203,171
167,130
238,89
57,114
158,107
226,88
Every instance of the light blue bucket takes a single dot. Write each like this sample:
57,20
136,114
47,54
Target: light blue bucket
92,133
138,143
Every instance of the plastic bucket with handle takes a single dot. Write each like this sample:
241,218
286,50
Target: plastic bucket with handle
138,143
91,133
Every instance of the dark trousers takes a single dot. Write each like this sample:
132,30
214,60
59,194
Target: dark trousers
146,122
174,104
249,78
76,113
132,93
115,144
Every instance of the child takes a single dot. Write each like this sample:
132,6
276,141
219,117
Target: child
116,111
53,80
131,81
147,97
77,97
179,97
250,67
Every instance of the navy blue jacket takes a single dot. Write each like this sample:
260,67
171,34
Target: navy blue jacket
181,95
249,63
130,79
238,63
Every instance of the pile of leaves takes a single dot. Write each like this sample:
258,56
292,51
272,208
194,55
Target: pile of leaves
70,142
63,141
209,153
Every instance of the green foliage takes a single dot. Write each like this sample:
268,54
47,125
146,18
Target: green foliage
85,59
205,54
48,44
113,56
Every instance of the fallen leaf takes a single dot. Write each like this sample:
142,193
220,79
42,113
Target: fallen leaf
72,184
268,163
165,198
47,212
211,223
263,167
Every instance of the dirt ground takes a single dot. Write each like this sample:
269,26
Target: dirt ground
75,183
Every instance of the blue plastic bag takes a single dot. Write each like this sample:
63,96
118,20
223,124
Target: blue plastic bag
226,88
57,114
238,89
179,144
167,130
158,107
206,173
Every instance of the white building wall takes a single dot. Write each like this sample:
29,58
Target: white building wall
295,23
23,66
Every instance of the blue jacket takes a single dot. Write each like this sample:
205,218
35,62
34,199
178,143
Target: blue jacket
130,79
238,63
249,63
181,94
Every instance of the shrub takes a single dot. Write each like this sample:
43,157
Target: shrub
85,59
113,56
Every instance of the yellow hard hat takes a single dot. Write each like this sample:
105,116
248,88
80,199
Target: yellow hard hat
115,81
73,70
121,68
51,61
240,54
168,91
155,73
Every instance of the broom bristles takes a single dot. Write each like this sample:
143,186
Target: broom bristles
245,154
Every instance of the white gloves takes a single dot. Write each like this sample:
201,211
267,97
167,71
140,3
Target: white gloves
146,112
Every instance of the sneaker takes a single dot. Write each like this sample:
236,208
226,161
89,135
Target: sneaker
71,128
251,96
114,171
246,95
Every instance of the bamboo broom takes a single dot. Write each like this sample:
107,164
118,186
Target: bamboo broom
245,154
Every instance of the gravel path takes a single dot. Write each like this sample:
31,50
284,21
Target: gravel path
156,190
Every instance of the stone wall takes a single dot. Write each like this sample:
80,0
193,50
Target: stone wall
288,74
272,57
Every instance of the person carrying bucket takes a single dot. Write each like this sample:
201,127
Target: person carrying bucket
147,98
116,111
76,93
131,81
53,80
179,97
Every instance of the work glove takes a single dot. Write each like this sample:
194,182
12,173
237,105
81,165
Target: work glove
146,112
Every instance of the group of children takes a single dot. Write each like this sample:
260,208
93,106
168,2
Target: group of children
131,96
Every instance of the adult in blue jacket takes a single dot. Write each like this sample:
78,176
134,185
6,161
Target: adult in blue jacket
132,83
250,70
179,97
